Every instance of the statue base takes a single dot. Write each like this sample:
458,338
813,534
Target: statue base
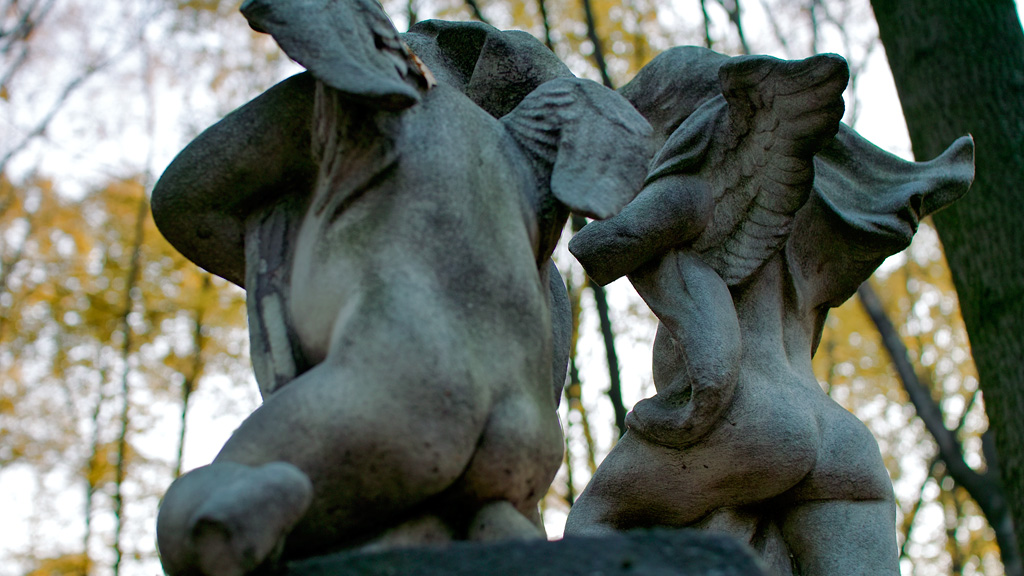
648,552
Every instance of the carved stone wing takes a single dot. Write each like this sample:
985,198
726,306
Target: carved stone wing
729,179
350,45
591,143
773,117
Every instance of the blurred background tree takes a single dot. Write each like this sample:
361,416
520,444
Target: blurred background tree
121,364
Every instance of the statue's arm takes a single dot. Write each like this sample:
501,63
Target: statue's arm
697,351
668,212
253,156
673,207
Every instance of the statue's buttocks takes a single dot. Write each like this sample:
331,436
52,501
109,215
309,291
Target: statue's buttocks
395,280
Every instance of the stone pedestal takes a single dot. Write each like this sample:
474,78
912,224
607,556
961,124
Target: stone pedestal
642,552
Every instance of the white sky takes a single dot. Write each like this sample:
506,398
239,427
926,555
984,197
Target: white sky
880,121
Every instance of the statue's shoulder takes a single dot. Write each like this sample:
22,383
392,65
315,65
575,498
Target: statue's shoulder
495,68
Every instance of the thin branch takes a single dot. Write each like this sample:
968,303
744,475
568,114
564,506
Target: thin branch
27,22
411,12
543,7
44,122
475,8
708,42
608,335
125,416
93,462
780,36
602,66
188,386
812,12
732,8
16,65
909,519
134,271
615,383
574,392
927,408
840,23
570,391
984,488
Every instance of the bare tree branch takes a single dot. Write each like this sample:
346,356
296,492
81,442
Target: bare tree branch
188,386
571,390
93,462
40,128
410,12
812,12
927,408
780,36
133,276
543,7
708,42
732,8
121,468
602,66
475,8
983,488
608,335
841,25
909,519
24,23
574,396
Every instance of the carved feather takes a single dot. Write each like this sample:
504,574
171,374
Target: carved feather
584,140
758,143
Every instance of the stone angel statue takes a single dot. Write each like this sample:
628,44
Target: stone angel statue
391,214
761,211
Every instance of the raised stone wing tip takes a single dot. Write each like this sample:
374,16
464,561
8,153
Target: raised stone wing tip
349,45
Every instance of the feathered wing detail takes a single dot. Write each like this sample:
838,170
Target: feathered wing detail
591,143
350,45
773,117
728,181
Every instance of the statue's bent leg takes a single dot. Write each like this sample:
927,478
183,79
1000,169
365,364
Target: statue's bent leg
697,352
205,520
759,451
844,510
372,448
853,537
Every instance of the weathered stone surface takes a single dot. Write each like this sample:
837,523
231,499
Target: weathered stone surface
646,553
760,213
392,218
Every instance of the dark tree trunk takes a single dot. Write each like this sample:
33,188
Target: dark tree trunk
959,68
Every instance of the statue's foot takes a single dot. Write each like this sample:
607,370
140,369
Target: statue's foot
227,519
424,530
500,520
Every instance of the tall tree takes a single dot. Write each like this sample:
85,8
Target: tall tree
958,68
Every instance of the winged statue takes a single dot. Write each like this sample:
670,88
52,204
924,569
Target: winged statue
761,212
